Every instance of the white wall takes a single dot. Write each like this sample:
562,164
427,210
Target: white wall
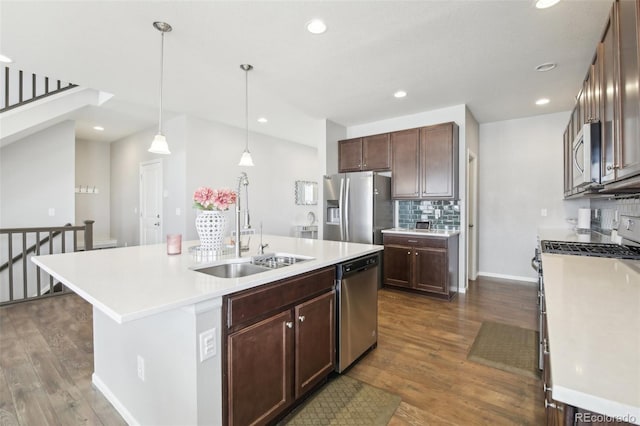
38,173
520,173
126,156
205,153
457,114
93,169
214,150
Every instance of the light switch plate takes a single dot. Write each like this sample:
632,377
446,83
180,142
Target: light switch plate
207,344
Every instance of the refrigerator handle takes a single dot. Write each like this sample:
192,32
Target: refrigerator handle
341,209
347,195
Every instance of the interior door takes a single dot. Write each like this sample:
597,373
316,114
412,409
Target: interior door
151,202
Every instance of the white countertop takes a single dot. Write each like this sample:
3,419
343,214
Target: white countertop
444,233
134,282
593,314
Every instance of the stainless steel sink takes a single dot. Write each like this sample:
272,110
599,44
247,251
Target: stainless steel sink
278,260
233,270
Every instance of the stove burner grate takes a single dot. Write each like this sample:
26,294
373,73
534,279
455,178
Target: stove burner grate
591,249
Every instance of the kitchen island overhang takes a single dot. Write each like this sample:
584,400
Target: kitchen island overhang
149,312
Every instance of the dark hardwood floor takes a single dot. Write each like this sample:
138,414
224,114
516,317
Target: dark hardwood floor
46,361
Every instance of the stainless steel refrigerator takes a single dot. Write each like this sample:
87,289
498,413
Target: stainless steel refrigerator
357,207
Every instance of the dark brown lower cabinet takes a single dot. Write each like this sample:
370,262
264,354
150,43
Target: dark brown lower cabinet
420,263
280,344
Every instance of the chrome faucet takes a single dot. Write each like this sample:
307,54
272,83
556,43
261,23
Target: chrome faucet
242,180
261,247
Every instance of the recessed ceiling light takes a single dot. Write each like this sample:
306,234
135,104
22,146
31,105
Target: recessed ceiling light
262,120
547,66
316,26
98,128
542,101
400,94
543,4
5,59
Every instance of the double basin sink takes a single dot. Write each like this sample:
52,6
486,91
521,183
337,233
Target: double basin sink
242,267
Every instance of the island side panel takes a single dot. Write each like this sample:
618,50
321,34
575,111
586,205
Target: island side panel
177,387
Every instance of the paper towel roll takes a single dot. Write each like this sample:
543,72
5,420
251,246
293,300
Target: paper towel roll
584,218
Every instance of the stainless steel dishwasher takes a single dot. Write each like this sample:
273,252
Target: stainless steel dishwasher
357,302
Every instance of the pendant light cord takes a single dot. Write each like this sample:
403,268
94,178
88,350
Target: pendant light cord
161,77
246,109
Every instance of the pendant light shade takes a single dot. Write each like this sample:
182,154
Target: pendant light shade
246,159
159,144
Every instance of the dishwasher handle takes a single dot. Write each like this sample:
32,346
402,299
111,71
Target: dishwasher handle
356,266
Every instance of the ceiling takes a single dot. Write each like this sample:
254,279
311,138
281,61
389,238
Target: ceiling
480,53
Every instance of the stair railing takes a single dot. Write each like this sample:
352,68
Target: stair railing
52,233
29,87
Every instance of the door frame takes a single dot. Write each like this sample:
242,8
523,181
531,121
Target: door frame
472,216
141,197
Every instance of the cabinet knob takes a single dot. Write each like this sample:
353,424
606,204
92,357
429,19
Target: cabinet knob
612,167
416,253
289,324
546,388
548,404
301,318
409,253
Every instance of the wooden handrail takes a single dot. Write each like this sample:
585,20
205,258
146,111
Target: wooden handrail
52,231
31,249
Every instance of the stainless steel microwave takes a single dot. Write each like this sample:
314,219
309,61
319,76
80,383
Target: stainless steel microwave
586,156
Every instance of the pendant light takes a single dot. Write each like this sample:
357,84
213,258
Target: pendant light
159,144
246,159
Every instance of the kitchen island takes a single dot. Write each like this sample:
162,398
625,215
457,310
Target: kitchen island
151,316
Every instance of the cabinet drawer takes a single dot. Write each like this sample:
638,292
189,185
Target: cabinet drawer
416,241
251,305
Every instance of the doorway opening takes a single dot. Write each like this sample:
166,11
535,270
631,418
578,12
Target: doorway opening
472,216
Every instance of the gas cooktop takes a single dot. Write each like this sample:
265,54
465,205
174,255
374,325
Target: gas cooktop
591,249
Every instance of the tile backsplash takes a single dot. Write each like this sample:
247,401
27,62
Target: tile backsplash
441,214
603,211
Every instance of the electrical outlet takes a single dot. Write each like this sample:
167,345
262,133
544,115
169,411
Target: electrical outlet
140,368
543,212
207,344
178,211
52,211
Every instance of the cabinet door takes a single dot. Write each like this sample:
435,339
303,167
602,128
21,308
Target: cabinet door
431,270
376,152
609,97
595,79
439,160
350,155
405,163
397,265
315,342
629,152
260,370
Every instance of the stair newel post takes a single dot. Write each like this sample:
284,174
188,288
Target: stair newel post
88,234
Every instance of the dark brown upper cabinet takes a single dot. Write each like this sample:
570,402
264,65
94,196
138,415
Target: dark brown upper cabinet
369,153
610,95
425,163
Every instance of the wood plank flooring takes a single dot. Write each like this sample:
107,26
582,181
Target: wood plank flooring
46,361
422,350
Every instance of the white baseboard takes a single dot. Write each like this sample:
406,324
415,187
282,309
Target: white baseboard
120,408
508,277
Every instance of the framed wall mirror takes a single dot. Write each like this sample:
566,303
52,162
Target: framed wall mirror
306,192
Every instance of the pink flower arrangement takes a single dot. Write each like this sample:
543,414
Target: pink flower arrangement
213,199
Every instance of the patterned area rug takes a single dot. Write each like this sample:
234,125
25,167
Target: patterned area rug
345,401
507,348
